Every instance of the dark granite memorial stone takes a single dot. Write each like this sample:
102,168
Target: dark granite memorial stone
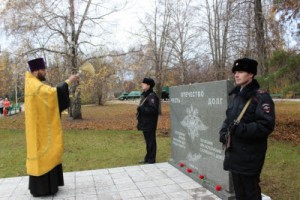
197,113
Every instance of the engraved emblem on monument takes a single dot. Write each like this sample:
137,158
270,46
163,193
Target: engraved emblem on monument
193,123
193,157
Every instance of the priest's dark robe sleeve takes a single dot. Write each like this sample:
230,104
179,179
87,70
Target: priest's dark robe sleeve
63,96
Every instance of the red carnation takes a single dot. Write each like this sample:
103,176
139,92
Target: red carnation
218,187
181,164
201,176
189,170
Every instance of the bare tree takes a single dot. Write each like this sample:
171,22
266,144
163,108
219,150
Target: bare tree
157,29
219,14
274,31
59,27
260,37
183,35
5,69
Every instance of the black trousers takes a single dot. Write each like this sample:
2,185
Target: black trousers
246,187
48,183
150,138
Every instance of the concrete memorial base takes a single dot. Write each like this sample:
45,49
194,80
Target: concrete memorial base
215,189
221,194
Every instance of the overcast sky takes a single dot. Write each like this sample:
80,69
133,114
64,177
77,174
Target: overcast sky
125,21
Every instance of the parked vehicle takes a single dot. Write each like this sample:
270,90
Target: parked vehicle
165,93
137,94
134,95
123,96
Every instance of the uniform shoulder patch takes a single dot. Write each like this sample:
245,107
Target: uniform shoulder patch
266,107
260,91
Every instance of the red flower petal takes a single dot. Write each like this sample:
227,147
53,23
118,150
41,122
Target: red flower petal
218,187
201,176
189,170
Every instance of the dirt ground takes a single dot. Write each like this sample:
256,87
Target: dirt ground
116,116
287,122
120,115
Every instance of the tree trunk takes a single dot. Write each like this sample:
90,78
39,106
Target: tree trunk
76,108
260,40
158,92
76,104
100,100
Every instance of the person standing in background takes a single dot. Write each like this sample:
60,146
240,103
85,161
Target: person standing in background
147,116
44,139
1,106
6,105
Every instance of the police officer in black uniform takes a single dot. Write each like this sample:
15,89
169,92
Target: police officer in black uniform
245,158
147,116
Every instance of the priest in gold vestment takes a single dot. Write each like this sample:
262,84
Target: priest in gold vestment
44,139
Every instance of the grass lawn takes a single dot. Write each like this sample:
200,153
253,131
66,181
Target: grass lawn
83,150
281,173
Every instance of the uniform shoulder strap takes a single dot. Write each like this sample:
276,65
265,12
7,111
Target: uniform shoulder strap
144,100
244,110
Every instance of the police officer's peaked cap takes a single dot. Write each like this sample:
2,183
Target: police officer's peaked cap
246,65
36,64
149,81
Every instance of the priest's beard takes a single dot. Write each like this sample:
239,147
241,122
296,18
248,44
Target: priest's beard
41,77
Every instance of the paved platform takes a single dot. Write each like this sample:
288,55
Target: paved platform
159,181
155,181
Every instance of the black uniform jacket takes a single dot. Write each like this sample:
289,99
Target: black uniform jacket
249,139
147,111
